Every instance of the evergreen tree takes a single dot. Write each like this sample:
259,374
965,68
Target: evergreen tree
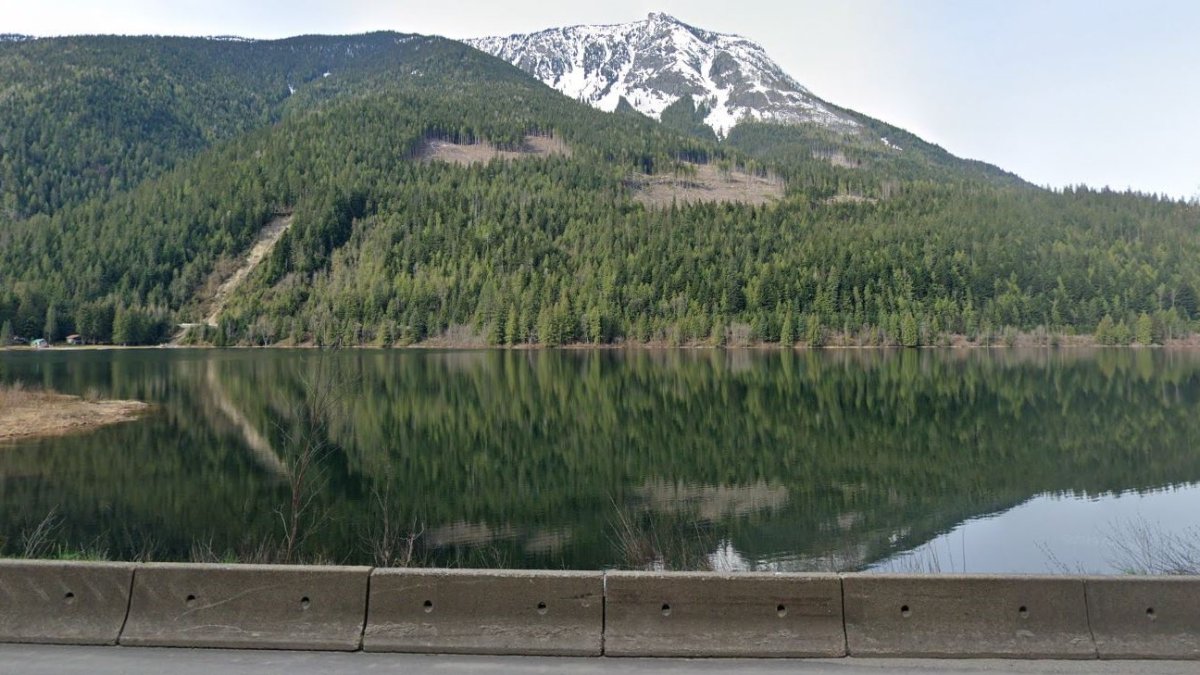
124,330
51,329
1121,334
909,332
787,328
1105,331
1145,329
716,334
512,328
814,331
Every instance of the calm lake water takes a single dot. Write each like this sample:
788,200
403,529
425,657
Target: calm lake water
964,460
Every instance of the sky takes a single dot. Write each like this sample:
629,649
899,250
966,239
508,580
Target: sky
1062,92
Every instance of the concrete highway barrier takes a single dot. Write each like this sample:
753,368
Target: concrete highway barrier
53,602
506,612
486,612
685,614
247,607
1145,617
975,616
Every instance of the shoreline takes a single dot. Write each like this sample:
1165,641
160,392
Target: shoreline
29,414
1078,342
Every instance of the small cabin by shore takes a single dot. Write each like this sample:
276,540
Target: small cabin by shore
74,339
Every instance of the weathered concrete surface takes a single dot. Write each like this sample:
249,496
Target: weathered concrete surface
684,614
57,660
486,612
63,602
976,616
247,606
1145,617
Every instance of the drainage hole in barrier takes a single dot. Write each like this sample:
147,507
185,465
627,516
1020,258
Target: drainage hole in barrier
1150,613
781,610
69,598
1023,611
304,602
428,606
666,609
904,611
541,608
191,600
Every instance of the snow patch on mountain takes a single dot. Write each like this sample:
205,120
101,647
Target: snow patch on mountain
655,62
229,38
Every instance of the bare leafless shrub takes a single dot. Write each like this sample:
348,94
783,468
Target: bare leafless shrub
202,551
464,335
391,544
39,541
1141,547
635,549
646,541
740,334
305,430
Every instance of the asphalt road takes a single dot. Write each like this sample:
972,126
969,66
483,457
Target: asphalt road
50,660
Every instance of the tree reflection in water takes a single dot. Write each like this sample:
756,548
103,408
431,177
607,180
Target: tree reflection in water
589,459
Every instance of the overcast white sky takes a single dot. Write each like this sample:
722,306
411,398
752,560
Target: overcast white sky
1060,91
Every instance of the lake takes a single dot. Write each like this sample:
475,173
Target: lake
915,460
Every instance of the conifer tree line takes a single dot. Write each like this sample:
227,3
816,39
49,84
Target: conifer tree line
387,247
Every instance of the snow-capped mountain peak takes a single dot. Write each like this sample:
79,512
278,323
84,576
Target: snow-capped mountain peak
655,62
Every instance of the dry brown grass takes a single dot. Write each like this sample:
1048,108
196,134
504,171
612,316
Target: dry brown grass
11,394
705,183
32,413
481,153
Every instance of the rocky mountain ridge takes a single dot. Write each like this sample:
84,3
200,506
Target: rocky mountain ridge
653,63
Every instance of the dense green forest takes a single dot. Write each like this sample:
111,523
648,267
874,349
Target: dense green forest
135,171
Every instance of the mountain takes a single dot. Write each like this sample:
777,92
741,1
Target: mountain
395,189
390,189
709,84
90,116
653,63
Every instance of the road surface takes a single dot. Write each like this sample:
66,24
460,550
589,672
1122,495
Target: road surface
51,660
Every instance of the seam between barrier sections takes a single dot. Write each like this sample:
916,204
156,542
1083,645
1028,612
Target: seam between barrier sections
845,632
362,633
128,604
603,612
1087,615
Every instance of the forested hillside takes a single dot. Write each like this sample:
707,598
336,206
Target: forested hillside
135,172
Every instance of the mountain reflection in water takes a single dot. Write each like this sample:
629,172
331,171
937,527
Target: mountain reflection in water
589,459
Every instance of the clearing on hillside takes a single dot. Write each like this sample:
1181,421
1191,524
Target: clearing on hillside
706,183
837,158
850,199
267,238
481,153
